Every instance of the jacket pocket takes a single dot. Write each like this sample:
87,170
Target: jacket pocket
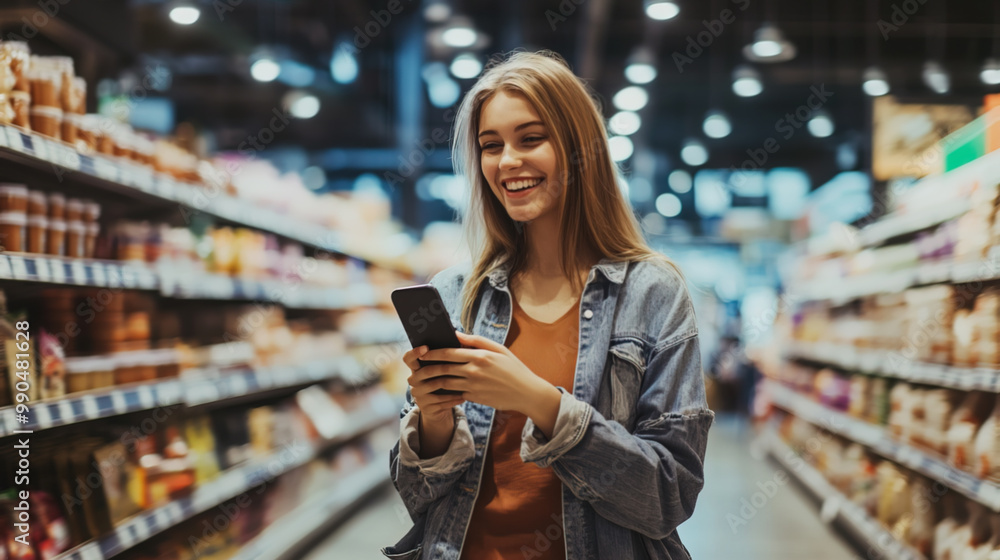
623,380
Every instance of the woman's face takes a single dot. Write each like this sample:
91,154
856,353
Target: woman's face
518,157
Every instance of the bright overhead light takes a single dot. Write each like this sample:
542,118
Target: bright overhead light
185,15
620,147
694,153
662,10
631,98
304,107
717,125
625,123
821,125
990,75
436,12
875,82
668,205
679,181
466,66
459,36
265,70
936,77
769,45
343,65
746,82
640,67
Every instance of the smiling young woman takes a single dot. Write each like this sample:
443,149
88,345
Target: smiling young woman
580,426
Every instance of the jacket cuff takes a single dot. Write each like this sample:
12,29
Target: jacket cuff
571,425
460,450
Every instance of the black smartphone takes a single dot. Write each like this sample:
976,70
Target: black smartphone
426,322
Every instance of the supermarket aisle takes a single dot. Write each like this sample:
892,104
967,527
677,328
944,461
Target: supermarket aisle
786,528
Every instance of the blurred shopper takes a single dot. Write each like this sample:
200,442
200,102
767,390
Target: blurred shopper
581,427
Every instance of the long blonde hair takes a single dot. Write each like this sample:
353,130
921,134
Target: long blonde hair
596,217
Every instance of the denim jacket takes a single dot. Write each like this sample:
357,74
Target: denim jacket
629,440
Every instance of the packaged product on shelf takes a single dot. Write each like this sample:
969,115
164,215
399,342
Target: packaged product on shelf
260,424
939,406
7,114
53,364
987,446
965,423
55,237
929,315
53,531
8,78
973,541
894,500
921,532
17,54
46,121
15,549
963,328
13,227
20,106
201,448
948,529
903,399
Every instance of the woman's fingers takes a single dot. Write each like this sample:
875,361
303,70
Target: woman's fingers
411,356
420,387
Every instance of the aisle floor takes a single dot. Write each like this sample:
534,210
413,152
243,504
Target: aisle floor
787,527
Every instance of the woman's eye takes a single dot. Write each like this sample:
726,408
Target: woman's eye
534,138
489,146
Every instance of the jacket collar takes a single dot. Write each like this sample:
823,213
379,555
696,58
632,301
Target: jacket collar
612,270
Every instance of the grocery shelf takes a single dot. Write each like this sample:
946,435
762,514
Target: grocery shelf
208,386
879,440
893,364
938,272
122,177
169,283
229,484
280,539
836,505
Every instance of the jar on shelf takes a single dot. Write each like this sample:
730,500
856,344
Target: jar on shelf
46,84
6,109
18,53
70,128
57,206
74,209
20,104
47,121
75,232
90,239
12,227
55,241
37,232
87,132
13,198
38,204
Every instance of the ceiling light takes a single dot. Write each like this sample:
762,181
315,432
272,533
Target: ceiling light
769,45
717,125
625,123
466,66
459,36
305,106
640,68
620,147
990,74
668,205
875,82
679,181
631,98
662,10
343,65
265,70
746,82
437,12
694,153
821,125
185,15
936,77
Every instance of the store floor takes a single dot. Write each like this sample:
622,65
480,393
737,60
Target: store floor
787,527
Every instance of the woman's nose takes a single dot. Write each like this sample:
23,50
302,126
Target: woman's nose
509,159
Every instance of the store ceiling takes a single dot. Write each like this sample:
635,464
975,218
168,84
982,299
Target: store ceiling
212,87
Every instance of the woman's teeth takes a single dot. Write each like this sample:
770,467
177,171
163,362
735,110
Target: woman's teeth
521,185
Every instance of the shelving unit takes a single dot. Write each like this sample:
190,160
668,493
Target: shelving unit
836,505
877,362
878,440
230,484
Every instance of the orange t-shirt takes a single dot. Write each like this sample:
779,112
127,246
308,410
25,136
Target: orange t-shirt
518,513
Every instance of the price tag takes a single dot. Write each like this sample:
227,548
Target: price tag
78,272
143,179
14,140
19,268
125,536
147,279
128,276
162,518
90,552
98,272
141,528
105,169
66,414
41,149
118,402
72,160
42,270
238,385
90,408
114,276
42,416
146,397
125,175
5,271
58,271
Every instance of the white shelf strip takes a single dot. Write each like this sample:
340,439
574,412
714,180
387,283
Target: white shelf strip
229,484
879,440
836,505
892,364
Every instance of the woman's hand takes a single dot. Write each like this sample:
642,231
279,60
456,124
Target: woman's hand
488,373
437,423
